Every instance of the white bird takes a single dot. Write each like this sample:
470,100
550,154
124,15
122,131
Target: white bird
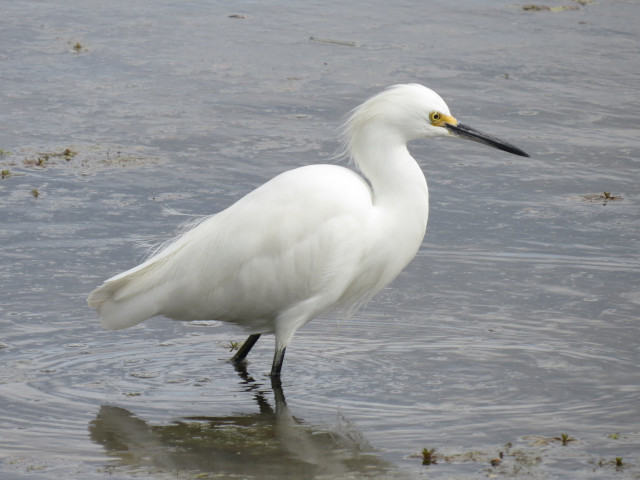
310,239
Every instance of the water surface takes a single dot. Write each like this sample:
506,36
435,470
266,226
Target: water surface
516,322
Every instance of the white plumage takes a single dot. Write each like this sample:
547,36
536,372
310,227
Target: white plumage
310,239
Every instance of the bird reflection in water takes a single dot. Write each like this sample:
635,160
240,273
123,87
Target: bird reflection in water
268,444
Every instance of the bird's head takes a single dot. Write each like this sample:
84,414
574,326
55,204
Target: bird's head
412,111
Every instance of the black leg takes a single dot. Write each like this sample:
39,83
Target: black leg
277,364
245,348
281,403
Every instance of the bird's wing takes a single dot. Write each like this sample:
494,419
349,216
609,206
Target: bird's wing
300,235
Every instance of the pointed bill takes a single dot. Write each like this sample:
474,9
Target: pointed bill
462,131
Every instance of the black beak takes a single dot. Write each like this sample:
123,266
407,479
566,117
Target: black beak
469,133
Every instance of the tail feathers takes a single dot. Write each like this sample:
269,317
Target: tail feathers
119,315
119,310
137,294
101,294
133,296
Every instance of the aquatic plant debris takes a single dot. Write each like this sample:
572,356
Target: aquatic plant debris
524,459
540,8
565,438
77,47
78,159
429,456
344,43
604,197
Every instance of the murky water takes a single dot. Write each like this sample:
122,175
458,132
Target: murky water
516,323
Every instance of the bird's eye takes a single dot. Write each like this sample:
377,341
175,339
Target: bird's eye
435,117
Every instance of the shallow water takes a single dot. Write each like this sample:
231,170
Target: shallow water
516,322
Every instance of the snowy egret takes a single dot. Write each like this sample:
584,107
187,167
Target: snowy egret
309,240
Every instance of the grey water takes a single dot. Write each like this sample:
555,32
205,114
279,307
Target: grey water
516,324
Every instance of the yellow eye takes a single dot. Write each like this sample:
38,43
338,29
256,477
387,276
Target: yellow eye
439,119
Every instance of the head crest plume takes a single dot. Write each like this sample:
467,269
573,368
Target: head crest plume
397,102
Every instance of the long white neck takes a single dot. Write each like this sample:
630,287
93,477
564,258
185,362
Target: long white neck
400,193
395,177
